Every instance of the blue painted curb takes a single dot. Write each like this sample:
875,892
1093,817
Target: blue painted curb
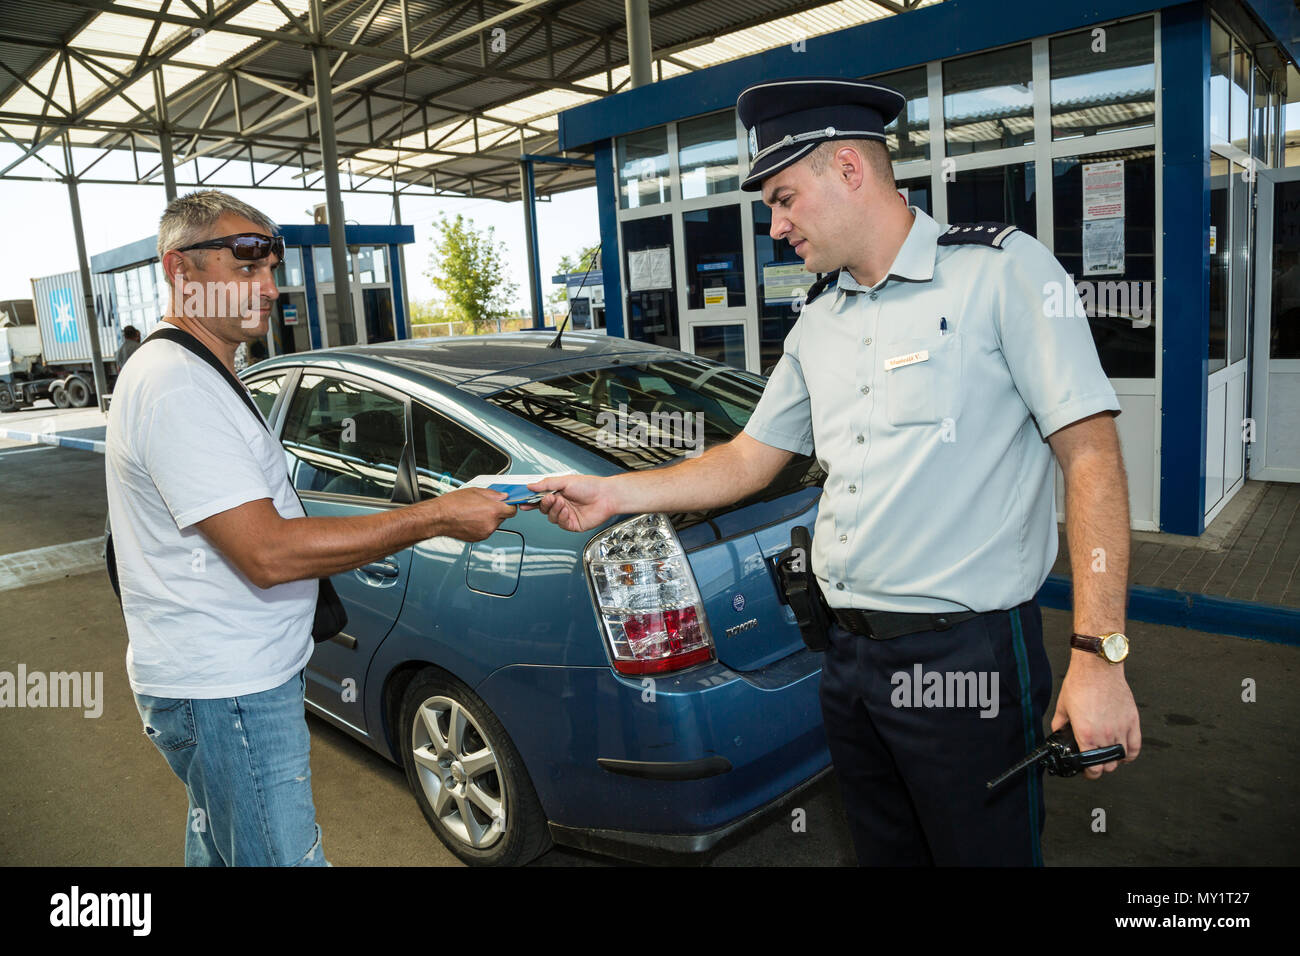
1199,612
66,441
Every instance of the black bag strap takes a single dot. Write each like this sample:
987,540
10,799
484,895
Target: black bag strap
182,338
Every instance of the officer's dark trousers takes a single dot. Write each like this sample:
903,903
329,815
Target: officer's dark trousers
913,776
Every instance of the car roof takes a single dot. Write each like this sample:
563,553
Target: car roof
483,364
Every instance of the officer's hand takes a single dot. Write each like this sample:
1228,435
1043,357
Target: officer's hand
472,514
1097,703
576,502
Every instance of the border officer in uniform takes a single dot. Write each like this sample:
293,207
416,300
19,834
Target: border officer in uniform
935,372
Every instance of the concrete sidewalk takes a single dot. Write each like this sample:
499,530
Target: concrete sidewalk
1241,577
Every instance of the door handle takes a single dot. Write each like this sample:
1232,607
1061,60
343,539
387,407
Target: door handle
383,569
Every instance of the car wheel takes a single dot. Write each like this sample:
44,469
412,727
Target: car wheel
59,396
78,393
7,402
467,777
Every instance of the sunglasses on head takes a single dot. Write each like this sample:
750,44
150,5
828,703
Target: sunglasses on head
245,245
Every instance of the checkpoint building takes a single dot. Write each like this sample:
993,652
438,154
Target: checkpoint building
1154,147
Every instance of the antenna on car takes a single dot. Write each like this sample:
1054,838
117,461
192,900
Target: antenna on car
555,343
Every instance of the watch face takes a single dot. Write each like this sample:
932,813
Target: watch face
1115,647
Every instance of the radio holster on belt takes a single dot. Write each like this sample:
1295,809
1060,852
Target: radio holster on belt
802,592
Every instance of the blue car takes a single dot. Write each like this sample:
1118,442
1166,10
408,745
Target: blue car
638,690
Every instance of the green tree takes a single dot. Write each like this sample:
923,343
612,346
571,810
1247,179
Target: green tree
468,267
585,258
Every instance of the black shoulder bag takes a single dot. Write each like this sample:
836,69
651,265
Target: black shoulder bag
331,618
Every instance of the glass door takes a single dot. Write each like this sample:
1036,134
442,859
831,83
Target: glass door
369,290
1231,259
1275,400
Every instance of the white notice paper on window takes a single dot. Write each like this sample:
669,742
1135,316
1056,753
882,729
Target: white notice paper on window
1103,247
1103,190
649,269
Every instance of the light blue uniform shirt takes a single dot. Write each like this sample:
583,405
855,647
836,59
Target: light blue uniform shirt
940,488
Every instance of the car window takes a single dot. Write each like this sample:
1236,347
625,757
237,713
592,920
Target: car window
265,391
447,455
639,416
344,437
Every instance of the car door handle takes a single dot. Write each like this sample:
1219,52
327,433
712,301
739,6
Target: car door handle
383,569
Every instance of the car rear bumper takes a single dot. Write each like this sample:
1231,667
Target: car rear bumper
675,847
672,764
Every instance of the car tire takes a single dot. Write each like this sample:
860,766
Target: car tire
59,396
506,825
7,402
78,392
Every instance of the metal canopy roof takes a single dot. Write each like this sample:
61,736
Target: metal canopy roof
430,96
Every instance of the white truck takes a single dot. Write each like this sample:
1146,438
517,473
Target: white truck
52,359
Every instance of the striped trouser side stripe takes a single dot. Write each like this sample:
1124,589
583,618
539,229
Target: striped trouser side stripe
1031,733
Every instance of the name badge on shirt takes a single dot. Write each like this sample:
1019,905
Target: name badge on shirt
911,358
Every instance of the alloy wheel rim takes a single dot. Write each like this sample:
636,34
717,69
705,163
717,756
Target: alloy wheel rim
459,773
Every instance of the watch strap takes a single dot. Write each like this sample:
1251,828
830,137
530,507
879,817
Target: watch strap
1086,643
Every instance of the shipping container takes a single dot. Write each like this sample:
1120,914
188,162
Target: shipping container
61,314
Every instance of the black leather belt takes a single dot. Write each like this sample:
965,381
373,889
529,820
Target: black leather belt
885,625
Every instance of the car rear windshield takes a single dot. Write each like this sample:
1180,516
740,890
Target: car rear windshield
652,414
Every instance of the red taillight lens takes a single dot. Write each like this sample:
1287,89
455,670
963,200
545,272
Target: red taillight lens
647,598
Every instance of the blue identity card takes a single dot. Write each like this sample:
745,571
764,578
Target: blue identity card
518,494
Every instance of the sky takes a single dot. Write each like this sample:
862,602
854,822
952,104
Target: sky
38,236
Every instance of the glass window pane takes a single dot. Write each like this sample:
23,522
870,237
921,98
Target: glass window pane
715,267
652,296
1242,226
264,392
447,455
324,263
378,306
706,155
721,343
1259,139
1284,309
1219,257
643,168
572,405
916,193
371,263
1239,98
1120,302
781,278
996,194
1103,83
1220,70
988,101
908,136
344,438
289,330
288,274
1291,120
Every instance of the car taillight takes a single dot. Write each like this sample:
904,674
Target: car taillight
647,599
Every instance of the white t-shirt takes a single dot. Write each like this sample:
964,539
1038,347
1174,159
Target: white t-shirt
181,446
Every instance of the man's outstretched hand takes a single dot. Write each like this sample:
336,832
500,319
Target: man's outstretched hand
576,502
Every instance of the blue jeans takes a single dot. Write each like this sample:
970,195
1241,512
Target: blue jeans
245,765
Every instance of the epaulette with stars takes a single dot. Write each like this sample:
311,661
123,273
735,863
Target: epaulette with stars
977,233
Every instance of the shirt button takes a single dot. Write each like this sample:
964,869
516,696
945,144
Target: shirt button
840,586
861,439
874,296
844,537
866,341
865,389
853,489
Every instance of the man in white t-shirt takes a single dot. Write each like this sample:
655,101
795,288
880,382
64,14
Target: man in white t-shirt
217,562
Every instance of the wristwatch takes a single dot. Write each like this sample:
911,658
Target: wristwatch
1109,647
